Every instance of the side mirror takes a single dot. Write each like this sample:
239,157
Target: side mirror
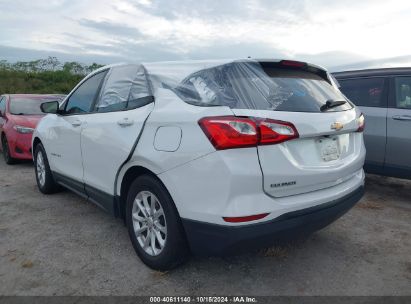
50,107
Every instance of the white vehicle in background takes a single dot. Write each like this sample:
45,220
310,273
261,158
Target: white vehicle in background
209,157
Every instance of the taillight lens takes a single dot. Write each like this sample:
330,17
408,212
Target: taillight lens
228,132
361,123
275,132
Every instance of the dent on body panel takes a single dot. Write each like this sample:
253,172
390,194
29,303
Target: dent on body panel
44,129
171,117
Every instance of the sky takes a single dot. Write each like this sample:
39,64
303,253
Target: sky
338,35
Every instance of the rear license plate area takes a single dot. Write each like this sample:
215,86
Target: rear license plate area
328,148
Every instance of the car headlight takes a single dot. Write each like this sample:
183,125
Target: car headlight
23,130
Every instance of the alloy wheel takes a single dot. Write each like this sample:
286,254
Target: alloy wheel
149,223
41,169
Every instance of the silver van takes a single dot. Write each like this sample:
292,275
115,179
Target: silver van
384,97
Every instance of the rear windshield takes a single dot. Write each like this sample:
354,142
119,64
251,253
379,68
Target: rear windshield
29,106
248,85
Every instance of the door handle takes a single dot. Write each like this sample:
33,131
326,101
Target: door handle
125,122
402,117
76,123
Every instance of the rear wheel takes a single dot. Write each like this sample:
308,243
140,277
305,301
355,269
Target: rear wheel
6,152
44,177
154,225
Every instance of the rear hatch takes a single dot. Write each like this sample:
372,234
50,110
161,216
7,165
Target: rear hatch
327,147
319,158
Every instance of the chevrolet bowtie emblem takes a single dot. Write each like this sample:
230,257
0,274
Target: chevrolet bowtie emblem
337,126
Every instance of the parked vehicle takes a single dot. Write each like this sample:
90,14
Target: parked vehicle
19,115
384,96
212,157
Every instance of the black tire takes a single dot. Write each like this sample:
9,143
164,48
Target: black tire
49,185
6,152
175,250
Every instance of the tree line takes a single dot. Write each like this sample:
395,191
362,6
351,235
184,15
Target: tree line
43,76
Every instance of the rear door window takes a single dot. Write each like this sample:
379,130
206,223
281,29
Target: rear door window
366,92
125,87
250,85
403,92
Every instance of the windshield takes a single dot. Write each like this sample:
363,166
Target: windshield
29,105
251,85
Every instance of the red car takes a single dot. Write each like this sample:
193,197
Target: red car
19,115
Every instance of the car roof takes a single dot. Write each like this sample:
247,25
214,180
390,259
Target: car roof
373,72
205,62
173,72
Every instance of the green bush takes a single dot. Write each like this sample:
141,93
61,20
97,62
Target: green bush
44,76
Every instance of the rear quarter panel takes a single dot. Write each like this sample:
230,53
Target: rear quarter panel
171,111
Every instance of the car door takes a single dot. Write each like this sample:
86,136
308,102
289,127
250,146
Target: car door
398,160
370,95
64,149
112,130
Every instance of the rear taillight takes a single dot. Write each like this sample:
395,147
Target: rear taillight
228,132
361,123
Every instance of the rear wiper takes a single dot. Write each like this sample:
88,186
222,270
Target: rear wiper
332,104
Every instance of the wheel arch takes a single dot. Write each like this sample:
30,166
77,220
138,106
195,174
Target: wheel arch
129,176
36,141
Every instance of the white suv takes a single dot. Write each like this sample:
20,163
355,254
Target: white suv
209,157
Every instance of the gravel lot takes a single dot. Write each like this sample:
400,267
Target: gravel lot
63,245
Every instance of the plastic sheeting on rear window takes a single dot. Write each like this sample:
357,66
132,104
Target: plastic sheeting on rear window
246,84
125,86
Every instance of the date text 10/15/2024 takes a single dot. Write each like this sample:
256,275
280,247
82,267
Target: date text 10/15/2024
203,299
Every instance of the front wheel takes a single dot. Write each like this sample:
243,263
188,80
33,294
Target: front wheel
44,177
6,152
154,225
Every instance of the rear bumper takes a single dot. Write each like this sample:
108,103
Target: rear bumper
212,239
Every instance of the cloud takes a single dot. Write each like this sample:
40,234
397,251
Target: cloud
111,28
334,34
399,61
219,10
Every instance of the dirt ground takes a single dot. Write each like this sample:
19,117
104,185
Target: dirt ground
62,245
